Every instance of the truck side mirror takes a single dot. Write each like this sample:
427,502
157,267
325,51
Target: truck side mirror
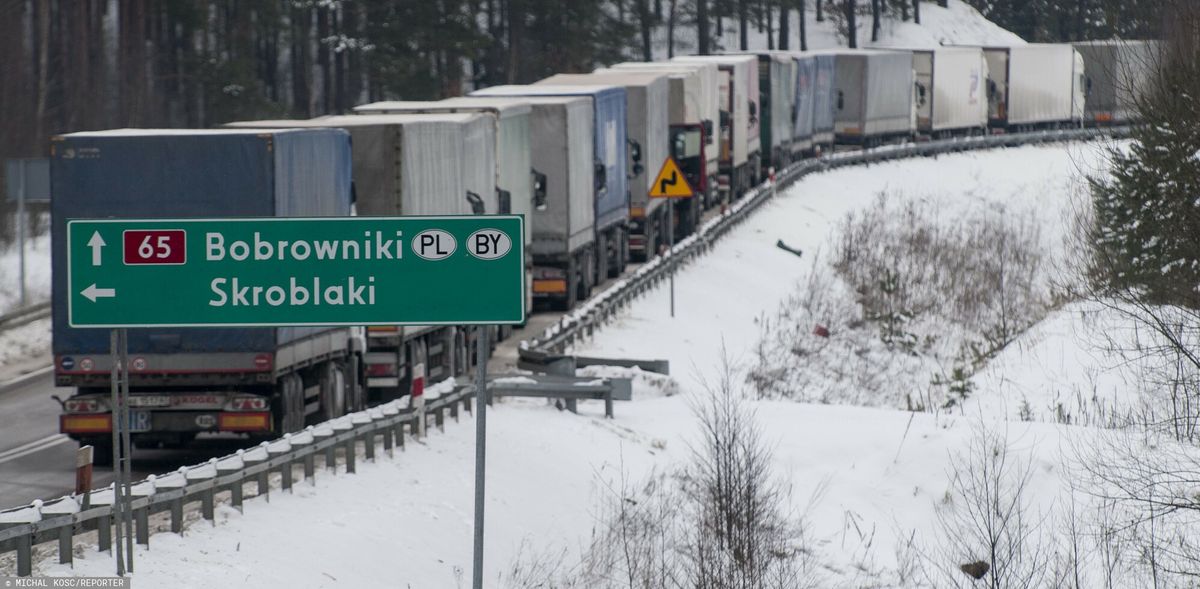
708,127
539,190
504,198
753,112
476,203
599,176
635,151
724,118
841,101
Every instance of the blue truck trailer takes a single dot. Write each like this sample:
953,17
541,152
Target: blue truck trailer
189,381
611,177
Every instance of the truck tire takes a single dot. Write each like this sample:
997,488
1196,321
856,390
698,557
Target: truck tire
585,278
600,263
333,401
289,405
622,251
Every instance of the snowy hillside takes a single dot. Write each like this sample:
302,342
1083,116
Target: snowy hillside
871,485
957,23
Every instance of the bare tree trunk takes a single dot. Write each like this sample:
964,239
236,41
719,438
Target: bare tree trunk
645,26
852,23
743,24
803,26
784,26
671,28
516,32
875,20
702,45
820,12
917,11
43,85
904,10
770,29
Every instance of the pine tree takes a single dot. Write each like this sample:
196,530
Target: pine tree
1147,216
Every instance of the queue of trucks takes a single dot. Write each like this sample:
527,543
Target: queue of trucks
575,154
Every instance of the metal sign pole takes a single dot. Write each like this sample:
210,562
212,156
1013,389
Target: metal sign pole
21,226
126,451
671,248
480,444
117,504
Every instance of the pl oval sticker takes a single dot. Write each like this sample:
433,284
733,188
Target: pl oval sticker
434,244
489,244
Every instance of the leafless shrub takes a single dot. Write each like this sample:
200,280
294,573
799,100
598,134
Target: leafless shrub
720,522
986,521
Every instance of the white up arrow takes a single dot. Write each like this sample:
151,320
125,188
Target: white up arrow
92,293
96,243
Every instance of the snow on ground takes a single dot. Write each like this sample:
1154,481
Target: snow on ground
756,275
37,273
868,479
26,341
958,23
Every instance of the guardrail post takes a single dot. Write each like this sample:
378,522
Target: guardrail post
369,444
25,555
141,524
350,451
440,418
66,542
608,403
387,440
177,515
235,487
454,411
285,469
104,531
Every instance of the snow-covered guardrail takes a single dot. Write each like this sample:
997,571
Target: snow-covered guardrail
584,320
198,486
24,315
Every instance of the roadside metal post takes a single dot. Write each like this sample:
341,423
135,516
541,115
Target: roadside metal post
127,452
480,446
117,504
21,227
671,247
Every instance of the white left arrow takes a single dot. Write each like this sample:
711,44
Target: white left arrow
92,293
96,243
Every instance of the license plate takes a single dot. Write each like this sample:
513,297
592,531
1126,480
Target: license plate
149,401
139,421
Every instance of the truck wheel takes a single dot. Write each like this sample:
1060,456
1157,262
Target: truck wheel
333,399
568,300
289,405
585,278
600,265
622,251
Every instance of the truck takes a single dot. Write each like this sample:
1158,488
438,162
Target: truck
1115,72
610,145
646,98
520,188
740,161
1038,85
256,382
824,98
414,164
694,111
563,226
873,96
776,76
950,97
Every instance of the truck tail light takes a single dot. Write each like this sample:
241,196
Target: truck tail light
85,424
244,422
381,369
382,329
549,286
82,406
248,404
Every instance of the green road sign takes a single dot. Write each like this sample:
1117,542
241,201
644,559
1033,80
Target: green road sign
286,271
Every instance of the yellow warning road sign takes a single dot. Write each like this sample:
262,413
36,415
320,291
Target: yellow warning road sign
670,182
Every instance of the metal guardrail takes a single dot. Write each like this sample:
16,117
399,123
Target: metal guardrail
598,309
23,528
24,316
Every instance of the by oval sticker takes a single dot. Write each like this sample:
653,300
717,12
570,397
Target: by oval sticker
489,244
433,244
